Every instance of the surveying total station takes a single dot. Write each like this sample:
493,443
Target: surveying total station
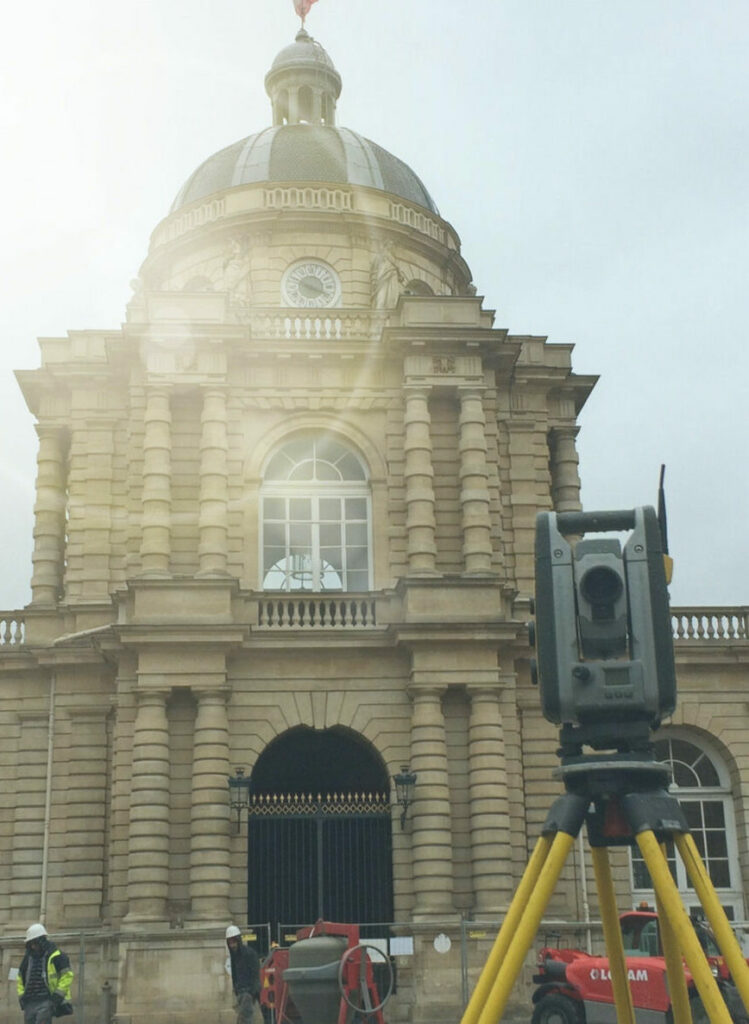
605,668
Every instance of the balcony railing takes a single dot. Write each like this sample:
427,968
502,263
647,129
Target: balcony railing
710,623
12,629
338,324
294,612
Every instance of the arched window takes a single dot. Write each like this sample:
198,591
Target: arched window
701,785
315,518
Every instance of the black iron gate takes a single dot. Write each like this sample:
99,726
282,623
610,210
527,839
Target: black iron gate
312,857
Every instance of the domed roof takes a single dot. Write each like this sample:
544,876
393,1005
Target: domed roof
304,50
304,143
304,152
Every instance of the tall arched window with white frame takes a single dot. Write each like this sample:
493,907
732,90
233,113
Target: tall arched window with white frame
315,502
701,784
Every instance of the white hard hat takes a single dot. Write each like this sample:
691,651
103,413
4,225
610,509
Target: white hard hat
232,932
35,931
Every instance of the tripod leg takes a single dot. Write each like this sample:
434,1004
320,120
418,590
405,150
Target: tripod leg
527,927
705,890
673,907
509,926
612,934
677,983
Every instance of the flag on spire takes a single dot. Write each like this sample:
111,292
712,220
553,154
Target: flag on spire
302,7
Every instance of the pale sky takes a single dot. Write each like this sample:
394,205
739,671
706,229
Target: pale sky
593,155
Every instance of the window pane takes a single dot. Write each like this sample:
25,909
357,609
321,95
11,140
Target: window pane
300,509
692,812
330,534
716,844
720,876
274,508
302,471
357,581
330,508
350,468
328,449
331,557
706,772
684,776
356,508
271,556
714,816
298,451
279,467
324,471
356,558
356,533
300,536
274,534
682,750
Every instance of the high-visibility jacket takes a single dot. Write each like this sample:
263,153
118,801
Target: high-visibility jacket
56,971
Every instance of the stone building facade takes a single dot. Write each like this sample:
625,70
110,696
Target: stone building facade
284,520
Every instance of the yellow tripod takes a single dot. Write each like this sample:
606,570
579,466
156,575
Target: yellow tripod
624,800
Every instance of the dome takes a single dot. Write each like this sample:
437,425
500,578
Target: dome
304,152
304,50
304,143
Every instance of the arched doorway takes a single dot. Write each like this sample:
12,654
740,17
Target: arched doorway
319,832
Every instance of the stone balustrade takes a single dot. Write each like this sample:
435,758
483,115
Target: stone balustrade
333,325
716,623
12,629
315,611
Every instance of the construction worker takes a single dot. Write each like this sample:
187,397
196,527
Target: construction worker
44,979
245,976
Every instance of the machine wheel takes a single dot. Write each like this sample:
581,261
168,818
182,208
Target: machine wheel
366,1013
556,1010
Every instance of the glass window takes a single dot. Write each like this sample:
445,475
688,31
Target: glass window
315,518
706,802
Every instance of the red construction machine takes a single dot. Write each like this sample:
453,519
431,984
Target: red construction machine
327,976
574,987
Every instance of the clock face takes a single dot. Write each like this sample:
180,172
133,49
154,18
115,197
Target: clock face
310,283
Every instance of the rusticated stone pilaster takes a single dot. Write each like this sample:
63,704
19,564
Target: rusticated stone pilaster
565,478
214,486
489,801
209,826
430,821
420,519
474,481
49,517
148,856
155,548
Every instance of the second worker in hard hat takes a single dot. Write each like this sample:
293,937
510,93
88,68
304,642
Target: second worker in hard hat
244,965
44,979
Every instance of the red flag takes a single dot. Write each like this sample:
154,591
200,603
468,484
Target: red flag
302,7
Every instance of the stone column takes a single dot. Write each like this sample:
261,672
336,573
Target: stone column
431,841
209,825
49,518
474,485
148,858
155,548
420,521
489,802
565,479
214,486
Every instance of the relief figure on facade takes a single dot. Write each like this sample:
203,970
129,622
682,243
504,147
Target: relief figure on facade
234,276
387,277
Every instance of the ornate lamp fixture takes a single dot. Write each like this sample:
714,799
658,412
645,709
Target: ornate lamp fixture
404,781
239,795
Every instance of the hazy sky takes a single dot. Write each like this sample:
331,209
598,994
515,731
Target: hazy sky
592,155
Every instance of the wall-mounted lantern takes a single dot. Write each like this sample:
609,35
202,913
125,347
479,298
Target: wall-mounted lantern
404,781
239,796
